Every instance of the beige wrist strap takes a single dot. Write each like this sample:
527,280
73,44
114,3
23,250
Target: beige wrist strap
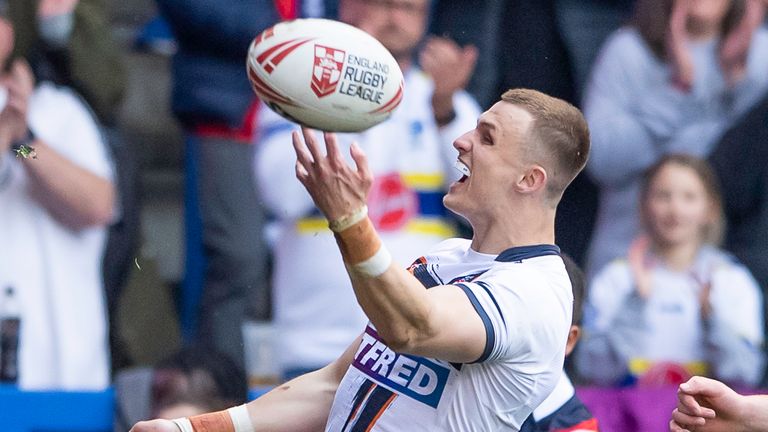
347,221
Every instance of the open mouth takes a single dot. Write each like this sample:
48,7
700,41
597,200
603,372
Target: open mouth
463,169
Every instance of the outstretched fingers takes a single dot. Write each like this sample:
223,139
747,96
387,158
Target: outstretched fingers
361,162
304,159
332,150
312,145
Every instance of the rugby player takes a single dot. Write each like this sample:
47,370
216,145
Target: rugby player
472,336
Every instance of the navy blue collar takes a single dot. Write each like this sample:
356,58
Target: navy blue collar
525,252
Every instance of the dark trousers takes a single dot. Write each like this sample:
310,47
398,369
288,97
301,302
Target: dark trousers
226,273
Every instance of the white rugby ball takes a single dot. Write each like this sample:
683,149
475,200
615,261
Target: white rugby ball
325,74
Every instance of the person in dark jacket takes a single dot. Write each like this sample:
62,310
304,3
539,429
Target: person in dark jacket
225,254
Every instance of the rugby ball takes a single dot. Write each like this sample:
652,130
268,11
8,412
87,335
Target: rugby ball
325,74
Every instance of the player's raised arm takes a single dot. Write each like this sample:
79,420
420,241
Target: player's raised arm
301,404
439,322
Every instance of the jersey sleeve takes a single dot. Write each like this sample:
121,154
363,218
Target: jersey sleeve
511,305
487,307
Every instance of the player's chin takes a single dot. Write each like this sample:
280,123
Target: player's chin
452,202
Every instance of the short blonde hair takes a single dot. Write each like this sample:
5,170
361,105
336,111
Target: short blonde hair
559,134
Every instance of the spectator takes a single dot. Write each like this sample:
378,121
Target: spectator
72,39
226,259
75,38
665,84
677,305
562,410
197,378
412,158
55,207
192,381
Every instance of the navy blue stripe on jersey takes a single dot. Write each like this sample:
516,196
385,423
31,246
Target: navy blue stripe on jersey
490,335
484,285
362,392
422,274
520,253
377,403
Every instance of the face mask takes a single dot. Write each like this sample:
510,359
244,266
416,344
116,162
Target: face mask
55,30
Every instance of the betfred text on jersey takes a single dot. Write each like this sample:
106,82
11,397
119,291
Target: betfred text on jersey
416,377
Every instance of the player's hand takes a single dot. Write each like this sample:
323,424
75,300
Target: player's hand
155,426
337,189
680,58
639,266
20,84
49,8
707,405
450,67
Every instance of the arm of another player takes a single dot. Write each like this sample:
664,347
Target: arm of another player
708,405
440,322
301,404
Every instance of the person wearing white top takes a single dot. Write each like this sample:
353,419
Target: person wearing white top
677,305
56,198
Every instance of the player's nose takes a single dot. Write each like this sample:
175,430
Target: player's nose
463,143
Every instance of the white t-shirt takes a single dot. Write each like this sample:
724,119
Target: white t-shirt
524,299
625,335
55,271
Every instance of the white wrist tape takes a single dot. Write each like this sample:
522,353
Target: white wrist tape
241,419
375,265
183,424
347,221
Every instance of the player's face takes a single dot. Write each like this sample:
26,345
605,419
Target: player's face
678,207
398,24
493,154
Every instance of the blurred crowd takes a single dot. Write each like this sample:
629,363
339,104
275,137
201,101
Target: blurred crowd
669,223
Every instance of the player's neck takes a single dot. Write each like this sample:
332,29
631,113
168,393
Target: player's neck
508,229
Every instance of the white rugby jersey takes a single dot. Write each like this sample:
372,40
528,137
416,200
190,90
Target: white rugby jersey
524,299
412,161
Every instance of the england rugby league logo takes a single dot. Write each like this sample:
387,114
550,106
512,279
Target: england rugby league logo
326,71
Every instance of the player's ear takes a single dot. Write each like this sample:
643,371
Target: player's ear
533,180
573,336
